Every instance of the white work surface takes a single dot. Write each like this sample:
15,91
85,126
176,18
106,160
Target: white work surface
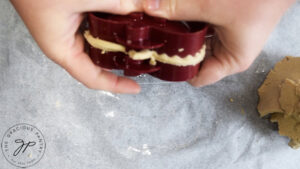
166,126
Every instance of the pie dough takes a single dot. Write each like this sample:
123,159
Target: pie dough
279,96
107,46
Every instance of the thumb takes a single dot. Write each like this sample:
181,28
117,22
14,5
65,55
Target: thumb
195,10
220,63
112,6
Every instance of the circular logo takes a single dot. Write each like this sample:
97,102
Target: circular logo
23,145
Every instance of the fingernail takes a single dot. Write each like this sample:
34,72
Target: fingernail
152,4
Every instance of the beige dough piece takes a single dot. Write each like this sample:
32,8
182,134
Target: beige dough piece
280,95
269,92
289,122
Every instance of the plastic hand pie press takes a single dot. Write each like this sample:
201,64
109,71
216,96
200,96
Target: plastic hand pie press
138,44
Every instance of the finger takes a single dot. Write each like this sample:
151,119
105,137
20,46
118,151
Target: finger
219,65
111,6
82,68
178,9
212,70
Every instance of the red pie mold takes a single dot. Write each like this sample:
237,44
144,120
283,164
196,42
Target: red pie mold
138,31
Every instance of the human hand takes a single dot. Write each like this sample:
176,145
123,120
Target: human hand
54,25
241,26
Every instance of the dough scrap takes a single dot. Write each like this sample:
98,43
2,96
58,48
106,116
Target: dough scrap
279,95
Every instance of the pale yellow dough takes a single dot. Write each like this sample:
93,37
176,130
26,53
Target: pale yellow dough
280,96
107,46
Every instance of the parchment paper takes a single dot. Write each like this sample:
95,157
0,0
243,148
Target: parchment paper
166,126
